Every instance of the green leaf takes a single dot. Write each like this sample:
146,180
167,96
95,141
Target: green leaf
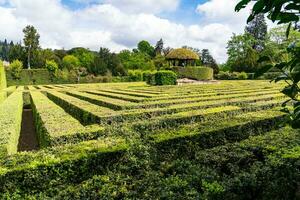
258,7
263,70
292,6
281,78
242,4
296,76
290,91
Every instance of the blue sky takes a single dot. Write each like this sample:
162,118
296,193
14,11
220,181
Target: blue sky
121,24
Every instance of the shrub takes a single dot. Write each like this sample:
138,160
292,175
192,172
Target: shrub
135,75
16,68
52,67
2,77
242,76
149,77
198,73
165,78
147,74
10,123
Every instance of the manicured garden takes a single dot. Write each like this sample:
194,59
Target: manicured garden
135,141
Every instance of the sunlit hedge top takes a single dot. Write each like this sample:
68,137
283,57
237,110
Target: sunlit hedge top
182,54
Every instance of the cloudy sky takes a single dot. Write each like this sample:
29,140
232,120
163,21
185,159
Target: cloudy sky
120,24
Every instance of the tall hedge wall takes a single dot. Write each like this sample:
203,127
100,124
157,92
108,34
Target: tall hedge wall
29,77
197,73
2,77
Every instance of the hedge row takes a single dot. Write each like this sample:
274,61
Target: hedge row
210,113
208,94
51,130
10,123
85,112
33,172
163,77
141,93
164,103
261,167
116,96
219,132
3,83
197,73
112,103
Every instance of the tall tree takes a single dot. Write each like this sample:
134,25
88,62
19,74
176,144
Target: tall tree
146,48
159,47
241,55
31,42
258,29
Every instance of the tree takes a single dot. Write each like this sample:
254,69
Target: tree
159,47
85,56
136,60
16,68
209,61
241,55
146,48
52,67
160,62
17,52
282,12
258,29
70,62
31,41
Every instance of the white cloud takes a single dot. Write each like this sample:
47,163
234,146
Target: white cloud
144,6
122,25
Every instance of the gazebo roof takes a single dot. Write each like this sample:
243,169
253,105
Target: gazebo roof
182,54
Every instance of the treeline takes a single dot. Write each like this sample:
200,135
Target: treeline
102,62
245,49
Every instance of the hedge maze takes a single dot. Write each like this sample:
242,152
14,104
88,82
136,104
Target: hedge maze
84,129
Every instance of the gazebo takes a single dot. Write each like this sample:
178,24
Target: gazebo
182,57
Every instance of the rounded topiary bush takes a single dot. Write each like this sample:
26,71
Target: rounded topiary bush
197,73
165,78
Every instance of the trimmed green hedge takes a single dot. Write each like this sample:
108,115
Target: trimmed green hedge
34,172
3,83
10,123
197,73
50,129
29,77
164,77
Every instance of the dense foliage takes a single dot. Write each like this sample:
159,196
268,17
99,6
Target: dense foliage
134,141
283,12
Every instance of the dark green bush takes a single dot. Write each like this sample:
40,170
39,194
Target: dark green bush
197,73
165,78
147,75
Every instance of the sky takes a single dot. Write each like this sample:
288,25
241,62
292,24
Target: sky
121,24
